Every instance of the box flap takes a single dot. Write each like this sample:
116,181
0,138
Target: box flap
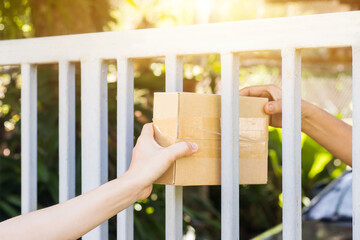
199,116
196,104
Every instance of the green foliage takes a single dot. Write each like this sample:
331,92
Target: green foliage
14,19
28,18
68,16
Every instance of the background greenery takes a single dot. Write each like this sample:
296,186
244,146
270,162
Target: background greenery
260,206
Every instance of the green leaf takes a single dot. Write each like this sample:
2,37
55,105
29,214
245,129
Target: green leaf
275,162
14,199
8,209
321,160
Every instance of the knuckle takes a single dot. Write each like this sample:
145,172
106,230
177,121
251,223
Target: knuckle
184,145
268,87
271,87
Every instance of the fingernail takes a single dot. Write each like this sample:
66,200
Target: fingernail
194,147
271,107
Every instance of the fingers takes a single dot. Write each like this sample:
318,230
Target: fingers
268,91
273,107
254,91
181,149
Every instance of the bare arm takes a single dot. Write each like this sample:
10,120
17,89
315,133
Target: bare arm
74,218
330,132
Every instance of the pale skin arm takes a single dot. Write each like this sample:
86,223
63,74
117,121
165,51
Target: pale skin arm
74,218
330,132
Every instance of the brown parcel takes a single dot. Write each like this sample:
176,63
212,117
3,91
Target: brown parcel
196,118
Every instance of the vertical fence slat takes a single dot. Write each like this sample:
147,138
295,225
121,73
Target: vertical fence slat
174,194
66,131
356,142
230,221
28,138
291,143
94,127
125,138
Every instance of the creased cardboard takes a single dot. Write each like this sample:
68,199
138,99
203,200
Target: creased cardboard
196,118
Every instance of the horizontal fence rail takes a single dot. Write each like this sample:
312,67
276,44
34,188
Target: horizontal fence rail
289,35
325,30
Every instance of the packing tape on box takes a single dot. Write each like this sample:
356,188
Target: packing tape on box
253,134
205,128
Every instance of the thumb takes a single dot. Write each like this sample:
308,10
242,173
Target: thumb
273,107
182,149
147,130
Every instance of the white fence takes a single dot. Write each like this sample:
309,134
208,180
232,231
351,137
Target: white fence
227,39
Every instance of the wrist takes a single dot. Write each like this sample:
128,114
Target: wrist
134,183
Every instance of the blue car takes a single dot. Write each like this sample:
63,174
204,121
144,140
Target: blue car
329,215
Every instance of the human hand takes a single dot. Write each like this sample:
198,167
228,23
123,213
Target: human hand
150,160
273,107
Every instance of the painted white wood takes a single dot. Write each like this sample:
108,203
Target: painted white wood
66,131
291,143
174,73
230,221
28,138
174,212
125,138
174,194
324,30
356,143
94,127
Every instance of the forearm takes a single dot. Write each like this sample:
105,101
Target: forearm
330,132
74,218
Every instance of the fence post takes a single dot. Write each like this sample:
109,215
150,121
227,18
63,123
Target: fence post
28,138
94,135
291,143
230,221
356,142
174,194
125,138
66,131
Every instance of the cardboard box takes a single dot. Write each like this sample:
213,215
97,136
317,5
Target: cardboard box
196,118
